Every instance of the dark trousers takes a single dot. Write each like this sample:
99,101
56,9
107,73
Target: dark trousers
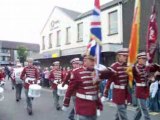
18,91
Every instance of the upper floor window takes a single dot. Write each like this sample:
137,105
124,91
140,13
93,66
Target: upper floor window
68,35
50,40
58,38
80,32
113,22
43,43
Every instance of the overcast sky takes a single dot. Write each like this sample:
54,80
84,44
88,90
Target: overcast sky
22,20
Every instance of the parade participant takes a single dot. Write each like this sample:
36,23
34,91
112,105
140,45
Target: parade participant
2,76
120,80
140,73
55,78
18,82
82,81
75,65
29,72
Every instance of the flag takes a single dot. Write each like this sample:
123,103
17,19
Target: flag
93,47
152,34
134,40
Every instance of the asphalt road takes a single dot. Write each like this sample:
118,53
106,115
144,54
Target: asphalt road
43,108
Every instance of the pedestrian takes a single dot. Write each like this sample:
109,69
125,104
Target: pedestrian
29,76
56,78
46,77
18,82
153,89
140,74
120,79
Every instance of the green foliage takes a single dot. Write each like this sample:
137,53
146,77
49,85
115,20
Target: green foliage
22,53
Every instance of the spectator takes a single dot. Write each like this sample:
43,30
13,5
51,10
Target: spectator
46,77
153,101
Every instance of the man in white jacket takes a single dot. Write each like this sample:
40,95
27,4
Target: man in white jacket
18,82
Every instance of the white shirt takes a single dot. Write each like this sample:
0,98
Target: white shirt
153,89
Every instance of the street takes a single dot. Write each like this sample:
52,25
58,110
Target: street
43,108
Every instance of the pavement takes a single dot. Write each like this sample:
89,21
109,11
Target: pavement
43,108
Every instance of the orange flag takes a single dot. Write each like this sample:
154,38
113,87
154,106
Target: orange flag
134,40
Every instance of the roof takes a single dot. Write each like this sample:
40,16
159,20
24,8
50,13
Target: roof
103,7
72,14
15,45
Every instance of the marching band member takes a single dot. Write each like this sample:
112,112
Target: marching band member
120,80
18,82
75,65
29,72
87,100
2,76
140,73
55,78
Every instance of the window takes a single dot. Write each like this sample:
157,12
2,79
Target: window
43,44
113,22
68,35
50,41
3,58
58,38
80,32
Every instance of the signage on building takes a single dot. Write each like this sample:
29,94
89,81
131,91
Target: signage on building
54,24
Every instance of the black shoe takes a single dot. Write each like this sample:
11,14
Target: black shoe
58,108
17,100
30,113
71,118
12,88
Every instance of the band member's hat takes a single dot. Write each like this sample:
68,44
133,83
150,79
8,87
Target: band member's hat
142,55
123,51
56,63
75,60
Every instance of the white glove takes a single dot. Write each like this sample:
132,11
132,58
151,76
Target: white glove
26,80
103,99
98,112
38,81
64,108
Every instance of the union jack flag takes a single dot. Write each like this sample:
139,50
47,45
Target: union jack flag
93,47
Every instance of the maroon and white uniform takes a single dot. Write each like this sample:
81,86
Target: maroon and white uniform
120,79
29,72
55,78
140,73
87,101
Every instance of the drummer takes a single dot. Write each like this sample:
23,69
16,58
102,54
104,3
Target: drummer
55,78
18,82
29,72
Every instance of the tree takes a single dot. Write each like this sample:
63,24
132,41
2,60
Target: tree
22,54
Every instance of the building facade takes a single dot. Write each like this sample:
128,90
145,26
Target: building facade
67,33
8,51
